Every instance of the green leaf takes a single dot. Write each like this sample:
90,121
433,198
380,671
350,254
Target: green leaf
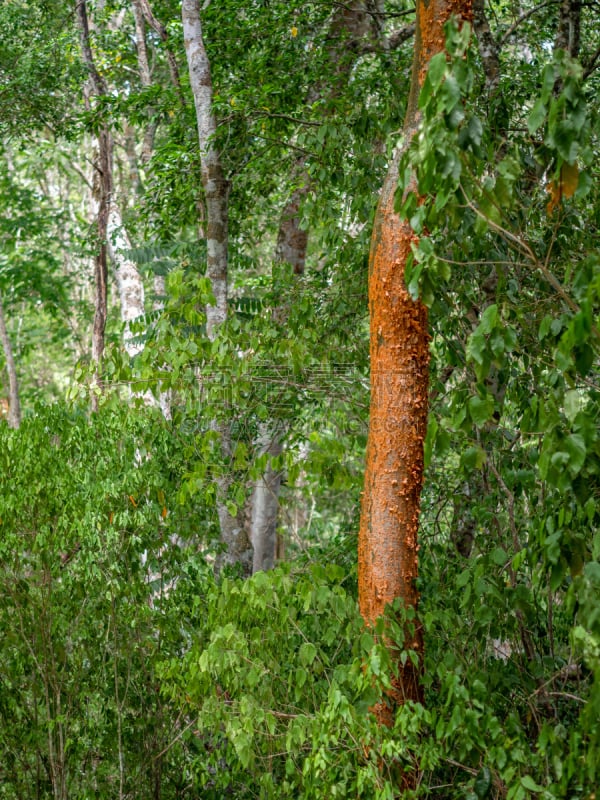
437,69
572,404
474,458
577,450
232,509
489,319
307,653
483,783
528,783
536,116
481,409
450,93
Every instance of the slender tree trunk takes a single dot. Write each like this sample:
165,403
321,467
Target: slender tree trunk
349,23
265,502
14,403
101,189
160,29
145,76
128,278
488,48
112,236
215,186
233,532
388,545
102,183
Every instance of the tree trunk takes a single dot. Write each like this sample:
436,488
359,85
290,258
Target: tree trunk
488,48
568,32
213,181
388,545
112,235
290,249
14,404
102,183
350,23
160,29
145,76
128,278
102,187
233,533
265,502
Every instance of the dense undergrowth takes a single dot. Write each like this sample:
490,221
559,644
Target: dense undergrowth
128,670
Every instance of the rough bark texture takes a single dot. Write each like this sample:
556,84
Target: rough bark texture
213,181
14,404
233,533
388,545
488,49
568,33
102,184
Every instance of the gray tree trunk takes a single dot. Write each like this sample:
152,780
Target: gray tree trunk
233,533
349,21
265,502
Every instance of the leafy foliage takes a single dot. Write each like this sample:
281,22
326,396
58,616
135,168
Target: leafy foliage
128,669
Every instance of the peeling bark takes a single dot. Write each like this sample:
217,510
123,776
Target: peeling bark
14,403
399,351
233,533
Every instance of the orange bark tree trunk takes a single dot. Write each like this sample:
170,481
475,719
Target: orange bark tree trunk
388,544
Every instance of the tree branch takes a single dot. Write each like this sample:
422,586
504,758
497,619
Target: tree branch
522,18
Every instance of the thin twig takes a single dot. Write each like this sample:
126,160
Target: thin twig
175,740
522,18
591,65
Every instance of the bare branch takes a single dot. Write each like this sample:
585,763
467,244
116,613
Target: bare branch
393,41
591,65
522,19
